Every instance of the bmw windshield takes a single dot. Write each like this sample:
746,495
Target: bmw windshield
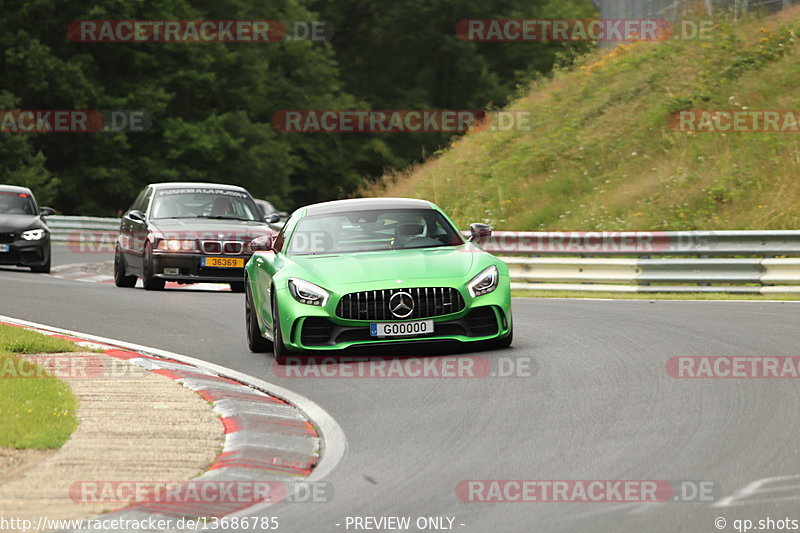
187,202
369,231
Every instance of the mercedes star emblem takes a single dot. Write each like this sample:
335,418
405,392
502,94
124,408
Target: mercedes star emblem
401,304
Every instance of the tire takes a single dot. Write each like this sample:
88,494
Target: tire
150,282
121,279
505,342
237,286
44,268
278,348
255,341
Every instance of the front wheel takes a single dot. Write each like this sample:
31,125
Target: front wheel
278,349
255,341
505,342
44,268
150,282
121,279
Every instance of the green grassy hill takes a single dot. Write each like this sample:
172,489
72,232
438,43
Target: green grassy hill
602,154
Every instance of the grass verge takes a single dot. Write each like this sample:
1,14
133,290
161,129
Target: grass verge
35,412
603,154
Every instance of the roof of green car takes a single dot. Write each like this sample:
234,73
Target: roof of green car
364,204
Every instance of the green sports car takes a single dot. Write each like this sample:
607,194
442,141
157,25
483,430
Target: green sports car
373,271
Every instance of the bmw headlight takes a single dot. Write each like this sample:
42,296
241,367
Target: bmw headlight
484,283
33,234
307,293
177,245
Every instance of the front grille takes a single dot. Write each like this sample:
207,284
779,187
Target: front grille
7,238
212,247
319,331
375,305
219,247
232,247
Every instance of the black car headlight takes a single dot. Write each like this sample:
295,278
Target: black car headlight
33,234
485,282
306,292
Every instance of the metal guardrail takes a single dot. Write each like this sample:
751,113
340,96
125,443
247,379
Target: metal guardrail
758,276
678,261
74,229
647,262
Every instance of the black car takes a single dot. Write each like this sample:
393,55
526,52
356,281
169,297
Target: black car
275,218
189,233
24,235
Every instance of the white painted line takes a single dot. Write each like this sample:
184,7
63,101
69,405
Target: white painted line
334,442
72,266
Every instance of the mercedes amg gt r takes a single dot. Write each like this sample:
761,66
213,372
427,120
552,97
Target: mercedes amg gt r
373,271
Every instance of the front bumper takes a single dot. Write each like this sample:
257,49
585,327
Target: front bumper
190,270
25,253
308,327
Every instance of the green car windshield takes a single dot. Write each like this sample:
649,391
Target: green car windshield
369,231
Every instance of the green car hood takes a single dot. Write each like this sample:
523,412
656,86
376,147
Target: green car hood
390,265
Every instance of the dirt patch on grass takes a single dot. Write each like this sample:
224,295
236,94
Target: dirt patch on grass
14,462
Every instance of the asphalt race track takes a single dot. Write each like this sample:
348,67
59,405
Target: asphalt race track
600,405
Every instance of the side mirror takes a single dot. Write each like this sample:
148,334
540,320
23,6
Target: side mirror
272,218
479,231
136,215
261,244
45,211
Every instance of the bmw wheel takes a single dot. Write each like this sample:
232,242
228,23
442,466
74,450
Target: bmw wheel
120,278
150,282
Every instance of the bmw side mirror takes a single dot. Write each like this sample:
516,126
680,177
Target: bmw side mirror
261,244
272,218
479,231
45,211
136,215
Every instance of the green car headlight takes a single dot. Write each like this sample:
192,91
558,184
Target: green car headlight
33,234
306,292
484,283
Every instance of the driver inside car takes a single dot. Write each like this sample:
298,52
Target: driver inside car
222,207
